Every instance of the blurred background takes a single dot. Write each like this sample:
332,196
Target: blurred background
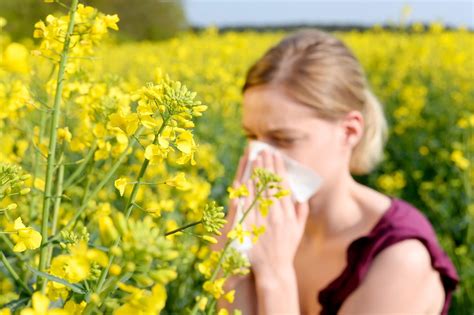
160,19
418,57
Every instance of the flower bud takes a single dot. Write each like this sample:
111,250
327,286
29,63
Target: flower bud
130,267
12,206
143,280
107,230
115,269
116,251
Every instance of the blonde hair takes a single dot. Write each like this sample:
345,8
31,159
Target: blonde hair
319,70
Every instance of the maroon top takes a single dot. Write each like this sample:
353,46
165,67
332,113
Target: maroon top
401,221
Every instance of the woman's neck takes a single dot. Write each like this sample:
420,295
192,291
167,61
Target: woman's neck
335,211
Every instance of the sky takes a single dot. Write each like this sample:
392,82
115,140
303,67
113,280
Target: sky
359,12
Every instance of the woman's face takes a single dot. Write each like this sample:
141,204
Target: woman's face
270,116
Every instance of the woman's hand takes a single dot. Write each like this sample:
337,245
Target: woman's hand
274,251
272,255
244,285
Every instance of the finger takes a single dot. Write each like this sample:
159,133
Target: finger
268,164
285,201
279,165
248,199
281,171
252,215
251,189
259,164
242,163
274,215
268,160
259,219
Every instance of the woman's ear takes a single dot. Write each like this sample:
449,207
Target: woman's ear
353,128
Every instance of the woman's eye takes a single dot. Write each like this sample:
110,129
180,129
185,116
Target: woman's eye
278,141
285,141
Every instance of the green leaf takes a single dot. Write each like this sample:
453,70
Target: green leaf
74,287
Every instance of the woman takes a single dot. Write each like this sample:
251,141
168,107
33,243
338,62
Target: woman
350,249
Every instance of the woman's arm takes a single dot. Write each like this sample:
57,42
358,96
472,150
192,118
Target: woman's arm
245,298
277,291
245,294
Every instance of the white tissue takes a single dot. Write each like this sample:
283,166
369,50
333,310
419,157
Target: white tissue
303,183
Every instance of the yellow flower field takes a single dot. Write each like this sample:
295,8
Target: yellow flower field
116,158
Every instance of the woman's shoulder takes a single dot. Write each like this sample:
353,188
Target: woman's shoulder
403,222
403,216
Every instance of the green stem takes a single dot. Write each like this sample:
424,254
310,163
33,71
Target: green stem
41,282
14,274
129,206
128,209
32,197
99,186
81,168
57,204
10,246
183,228
87,186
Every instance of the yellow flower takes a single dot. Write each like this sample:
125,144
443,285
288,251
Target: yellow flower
15,58
184,158
71,268
178,181
28,238
214,287
237,192
229,296
115,270
55,291
423,150
120,184
239,233
223,311
197,110
76,266
127,123
264,206
282,193
392,182
111,21
156,153
142,301
107,231
185,142
458,158
74,308
257,231
64,135
163,142
202,302
210,239
40,306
